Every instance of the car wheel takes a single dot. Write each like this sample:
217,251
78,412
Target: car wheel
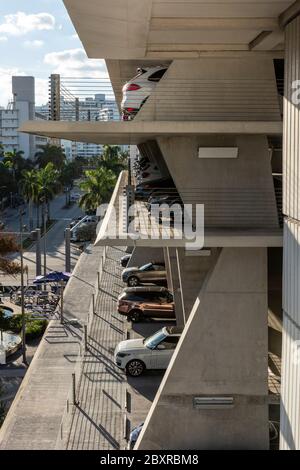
133,281
135,368
135,316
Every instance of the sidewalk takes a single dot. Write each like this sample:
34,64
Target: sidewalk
34,419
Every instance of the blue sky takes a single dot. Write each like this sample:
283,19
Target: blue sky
37,38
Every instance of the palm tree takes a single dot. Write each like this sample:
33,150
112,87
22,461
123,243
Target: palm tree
48,185
113,158
30,191
15,161
97,188
50,154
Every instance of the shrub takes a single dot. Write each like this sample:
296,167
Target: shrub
34,327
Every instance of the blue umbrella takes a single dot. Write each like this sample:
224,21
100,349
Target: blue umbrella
54,276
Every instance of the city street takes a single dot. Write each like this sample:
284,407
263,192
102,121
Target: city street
54,240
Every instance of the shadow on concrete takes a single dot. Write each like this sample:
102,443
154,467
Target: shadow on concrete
148,328
101,429
147,384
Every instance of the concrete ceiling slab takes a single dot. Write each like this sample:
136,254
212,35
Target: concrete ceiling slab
141,29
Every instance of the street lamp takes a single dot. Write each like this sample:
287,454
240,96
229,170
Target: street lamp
45,212
21,213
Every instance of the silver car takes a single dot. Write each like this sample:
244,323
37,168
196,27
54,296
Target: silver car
153,273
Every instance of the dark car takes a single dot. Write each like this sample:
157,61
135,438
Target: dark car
158,187
146,302
125,260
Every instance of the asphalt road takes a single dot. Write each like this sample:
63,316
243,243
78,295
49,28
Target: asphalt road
54,241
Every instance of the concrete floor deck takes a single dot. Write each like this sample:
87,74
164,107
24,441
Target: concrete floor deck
109,402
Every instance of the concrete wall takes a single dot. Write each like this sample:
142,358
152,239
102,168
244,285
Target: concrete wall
222,352
290,385
210,89
142,256
237,192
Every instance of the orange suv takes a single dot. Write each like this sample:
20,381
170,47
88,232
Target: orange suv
146,302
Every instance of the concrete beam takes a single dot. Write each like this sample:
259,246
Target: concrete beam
188,24
137,132
290,14
267,40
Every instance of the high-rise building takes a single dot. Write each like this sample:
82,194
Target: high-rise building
19,110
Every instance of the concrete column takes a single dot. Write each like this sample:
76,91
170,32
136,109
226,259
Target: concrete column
38,262
290,384
168,268
222,353
176,284
68,250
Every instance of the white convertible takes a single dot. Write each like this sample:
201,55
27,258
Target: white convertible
155,352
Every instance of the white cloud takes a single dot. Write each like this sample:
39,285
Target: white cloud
75,63
3,38
20,23
41,91
34,44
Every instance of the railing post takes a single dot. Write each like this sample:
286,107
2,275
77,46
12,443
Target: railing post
85,338
94,304
74,390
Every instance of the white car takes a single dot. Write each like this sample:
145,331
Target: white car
155,352
138,89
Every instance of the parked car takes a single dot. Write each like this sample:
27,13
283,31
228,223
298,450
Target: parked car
88,220
134,435
139,88
74,197
153,273
75,221
155,352
138,303
155,187
125,260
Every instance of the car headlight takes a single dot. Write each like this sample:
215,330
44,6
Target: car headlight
122,354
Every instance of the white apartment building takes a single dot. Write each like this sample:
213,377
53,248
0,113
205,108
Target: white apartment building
19,110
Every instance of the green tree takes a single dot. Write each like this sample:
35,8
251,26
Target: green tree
97,187
30,189
48,185
15,162
113,158
50,154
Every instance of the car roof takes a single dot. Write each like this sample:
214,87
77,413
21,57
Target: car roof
133,290
173,330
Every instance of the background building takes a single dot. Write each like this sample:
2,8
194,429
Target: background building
19,110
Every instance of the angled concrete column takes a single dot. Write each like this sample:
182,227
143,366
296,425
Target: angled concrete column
168,269
221,354
290,383
176,285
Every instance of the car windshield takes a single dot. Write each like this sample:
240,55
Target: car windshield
155,339
146,267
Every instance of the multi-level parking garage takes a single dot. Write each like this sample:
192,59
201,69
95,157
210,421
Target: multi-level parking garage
212,121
